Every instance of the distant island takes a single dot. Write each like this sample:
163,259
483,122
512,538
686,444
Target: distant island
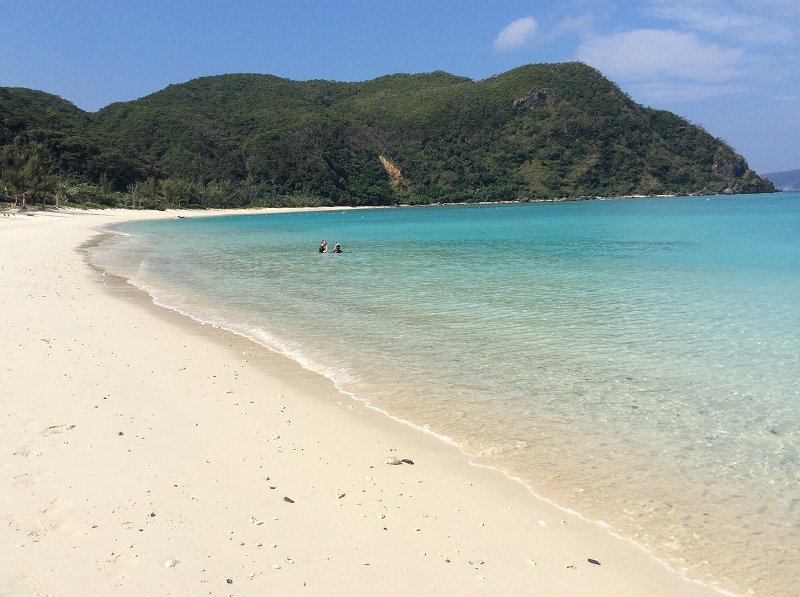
788,180
538,132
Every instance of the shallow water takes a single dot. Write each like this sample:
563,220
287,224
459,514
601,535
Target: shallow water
636,360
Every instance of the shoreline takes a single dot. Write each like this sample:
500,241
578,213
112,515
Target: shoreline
199,210
483,530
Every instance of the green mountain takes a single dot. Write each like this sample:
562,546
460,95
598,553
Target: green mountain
74,144
541,131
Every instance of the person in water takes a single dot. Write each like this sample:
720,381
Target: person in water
337,249
323,246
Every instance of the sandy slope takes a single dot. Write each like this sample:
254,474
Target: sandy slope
144,454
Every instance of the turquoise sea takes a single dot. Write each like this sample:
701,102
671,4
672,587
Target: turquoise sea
636,360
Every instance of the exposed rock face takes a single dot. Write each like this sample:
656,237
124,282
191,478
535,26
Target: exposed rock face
741,179
749,182
730,170
536,98
395,176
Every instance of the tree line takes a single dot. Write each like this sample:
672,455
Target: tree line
31,178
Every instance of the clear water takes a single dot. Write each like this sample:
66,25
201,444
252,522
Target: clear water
635,360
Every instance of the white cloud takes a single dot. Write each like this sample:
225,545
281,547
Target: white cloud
581,25
652,54
720,18
516,34
679,91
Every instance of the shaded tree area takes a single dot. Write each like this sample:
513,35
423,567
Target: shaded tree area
27,173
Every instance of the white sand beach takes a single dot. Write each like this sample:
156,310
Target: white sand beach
142,453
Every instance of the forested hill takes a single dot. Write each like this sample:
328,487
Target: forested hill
541,131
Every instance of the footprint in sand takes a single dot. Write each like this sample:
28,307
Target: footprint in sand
116,565
35,585
29,451
55,506
69,527
28,479
56,429
38,531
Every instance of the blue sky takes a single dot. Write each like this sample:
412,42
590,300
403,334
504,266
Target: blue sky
731,65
